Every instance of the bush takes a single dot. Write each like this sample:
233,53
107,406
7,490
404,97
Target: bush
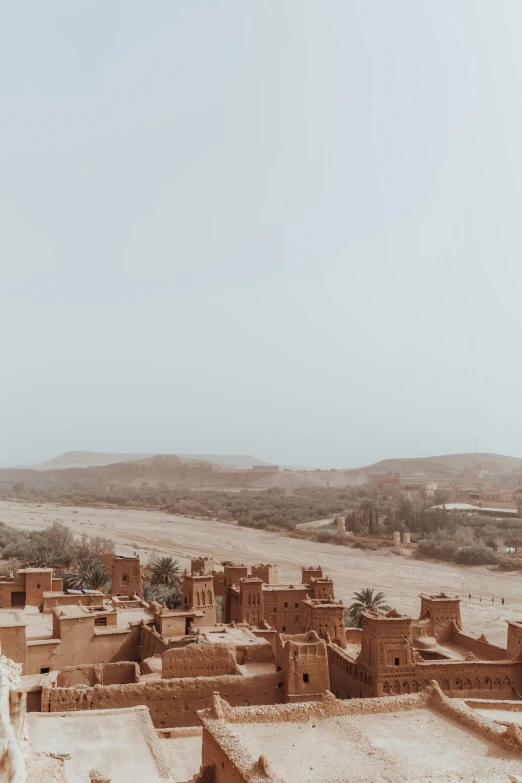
475,555
506,563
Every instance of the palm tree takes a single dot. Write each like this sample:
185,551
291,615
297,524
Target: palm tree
166,571
168,596
367,600
90,574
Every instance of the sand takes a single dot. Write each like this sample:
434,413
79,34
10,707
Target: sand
402,579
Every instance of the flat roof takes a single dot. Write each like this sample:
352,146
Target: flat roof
123,743
469,507
10,618
228,634
405,739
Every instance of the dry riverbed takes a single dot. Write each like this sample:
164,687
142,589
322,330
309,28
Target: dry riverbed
402,579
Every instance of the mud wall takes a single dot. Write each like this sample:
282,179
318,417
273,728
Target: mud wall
172,703
482,649
99,674
77,645
199,660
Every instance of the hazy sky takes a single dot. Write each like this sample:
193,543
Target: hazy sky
286,228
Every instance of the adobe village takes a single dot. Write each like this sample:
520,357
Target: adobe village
109,688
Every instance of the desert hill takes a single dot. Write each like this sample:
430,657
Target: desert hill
444,463
89,459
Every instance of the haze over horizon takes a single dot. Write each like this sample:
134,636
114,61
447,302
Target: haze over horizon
290,230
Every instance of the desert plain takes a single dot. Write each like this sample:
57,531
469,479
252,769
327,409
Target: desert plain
401,578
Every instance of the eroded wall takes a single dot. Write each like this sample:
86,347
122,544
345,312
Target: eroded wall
172,702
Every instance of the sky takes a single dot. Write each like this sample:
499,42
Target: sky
290,228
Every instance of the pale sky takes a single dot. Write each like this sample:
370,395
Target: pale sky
286,228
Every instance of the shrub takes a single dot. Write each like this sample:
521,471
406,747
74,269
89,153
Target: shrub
476,554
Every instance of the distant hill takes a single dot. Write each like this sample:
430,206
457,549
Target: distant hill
91,459
441,464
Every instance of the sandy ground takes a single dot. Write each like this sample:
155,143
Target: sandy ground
402,579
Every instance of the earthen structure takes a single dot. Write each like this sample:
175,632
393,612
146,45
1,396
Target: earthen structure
394,654
399,740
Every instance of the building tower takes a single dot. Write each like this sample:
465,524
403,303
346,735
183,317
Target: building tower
252,604
198,594
326,618
387,658
443,611
307,572
126,576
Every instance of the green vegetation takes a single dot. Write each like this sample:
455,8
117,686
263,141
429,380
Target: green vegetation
164,583
89,574
366,600
273,508
54,547
165,571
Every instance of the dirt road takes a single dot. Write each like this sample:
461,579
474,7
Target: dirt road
401,579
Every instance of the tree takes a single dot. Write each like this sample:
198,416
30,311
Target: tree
169,596
366,600
90,574
166,571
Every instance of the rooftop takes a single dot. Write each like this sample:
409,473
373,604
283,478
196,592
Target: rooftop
229,634
12,618
405,739
471,508
122,742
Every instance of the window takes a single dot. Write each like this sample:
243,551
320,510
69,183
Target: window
38,586
286,605
297,606
306,678
45,670
284,628
397,662
125,579
100,621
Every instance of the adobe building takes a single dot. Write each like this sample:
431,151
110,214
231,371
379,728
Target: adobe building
326,618
304,662
267,572
27,588
198,594
394,654
251,598
399,740
126,576
203,565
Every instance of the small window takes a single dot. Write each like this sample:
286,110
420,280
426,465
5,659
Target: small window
125,579
286,605
38,586
284,628
100,621
397,662
297,606
306,678
45,670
